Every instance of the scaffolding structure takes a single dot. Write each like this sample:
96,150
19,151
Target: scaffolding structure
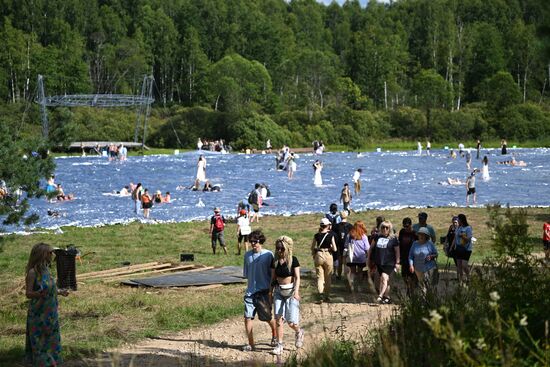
142,102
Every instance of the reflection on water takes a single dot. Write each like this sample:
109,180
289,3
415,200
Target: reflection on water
391,180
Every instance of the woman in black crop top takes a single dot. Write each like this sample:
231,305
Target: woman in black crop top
285,273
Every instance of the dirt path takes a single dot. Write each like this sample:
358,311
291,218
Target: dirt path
220,344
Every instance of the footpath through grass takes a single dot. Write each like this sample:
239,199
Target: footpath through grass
103,315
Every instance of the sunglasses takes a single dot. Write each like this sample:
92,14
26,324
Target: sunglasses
384,227
279,248
253,242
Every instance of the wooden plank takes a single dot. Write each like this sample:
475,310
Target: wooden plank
131,271
205,287
107,271
122,277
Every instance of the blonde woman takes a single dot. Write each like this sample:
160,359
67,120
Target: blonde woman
43,340
285,275
384,253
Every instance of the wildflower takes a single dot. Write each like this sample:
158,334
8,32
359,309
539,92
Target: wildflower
435,316
523,321
480,344
494,298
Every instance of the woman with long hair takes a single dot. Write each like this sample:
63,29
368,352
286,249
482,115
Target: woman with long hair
43,340
317,168
285,274
463,247
384,253
355,252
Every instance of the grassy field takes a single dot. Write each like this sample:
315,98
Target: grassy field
102,315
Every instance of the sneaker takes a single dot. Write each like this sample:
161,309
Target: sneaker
380,299
248,348
274,341
386,300
299,339
278,350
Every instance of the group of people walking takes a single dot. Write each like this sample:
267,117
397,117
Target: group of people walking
384,251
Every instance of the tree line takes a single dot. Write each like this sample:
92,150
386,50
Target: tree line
248,70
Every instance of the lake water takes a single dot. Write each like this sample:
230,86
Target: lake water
391,180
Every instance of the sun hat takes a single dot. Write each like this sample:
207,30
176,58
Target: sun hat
325,222
424,231
158,192
217,210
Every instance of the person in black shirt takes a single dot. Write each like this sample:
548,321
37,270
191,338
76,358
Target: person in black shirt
285,274
341,230
384,253
322,247
406,238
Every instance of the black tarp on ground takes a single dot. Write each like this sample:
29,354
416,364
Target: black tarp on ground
223,275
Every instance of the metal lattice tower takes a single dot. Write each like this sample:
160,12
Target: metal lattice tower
143,103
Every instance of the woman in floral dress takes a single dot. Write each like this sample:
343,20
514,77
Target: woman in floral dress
43,341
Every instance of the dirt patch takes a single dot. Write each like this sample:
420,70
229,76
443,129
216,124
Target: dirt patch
220,344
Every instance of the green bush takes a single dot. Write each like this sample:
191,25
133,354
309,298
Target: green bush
525,121
253,132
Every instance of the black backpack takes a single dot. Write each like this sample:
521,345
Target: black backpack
253,197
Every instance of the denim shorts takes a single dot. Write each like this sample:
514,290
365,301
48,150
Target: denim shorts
287,308
257,303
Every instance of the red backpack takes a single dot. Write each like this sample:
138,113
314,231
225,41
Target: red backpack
219,225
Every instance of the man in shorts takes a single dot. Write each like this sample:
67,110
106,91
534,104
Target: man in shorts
257,300
217,225
471,188
255,200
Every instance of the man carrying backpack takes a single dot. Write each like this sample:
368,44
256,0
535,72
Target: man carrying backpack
217,225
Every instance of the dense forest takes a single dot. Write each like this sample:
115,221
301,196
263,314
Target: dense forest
292,71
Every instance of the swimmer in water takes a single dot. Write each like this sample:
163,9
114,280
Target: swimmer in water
53,213
157,198
125,191
208,187
513,162
454,181
167,198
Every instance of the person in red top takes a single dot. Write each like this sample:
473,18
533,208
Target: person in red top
546,240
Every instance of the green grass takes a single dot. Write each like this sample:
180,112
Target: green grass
103,315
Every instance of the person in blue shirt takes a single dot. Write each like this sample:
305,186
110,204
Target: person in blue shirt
422,257
463,247
257,299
